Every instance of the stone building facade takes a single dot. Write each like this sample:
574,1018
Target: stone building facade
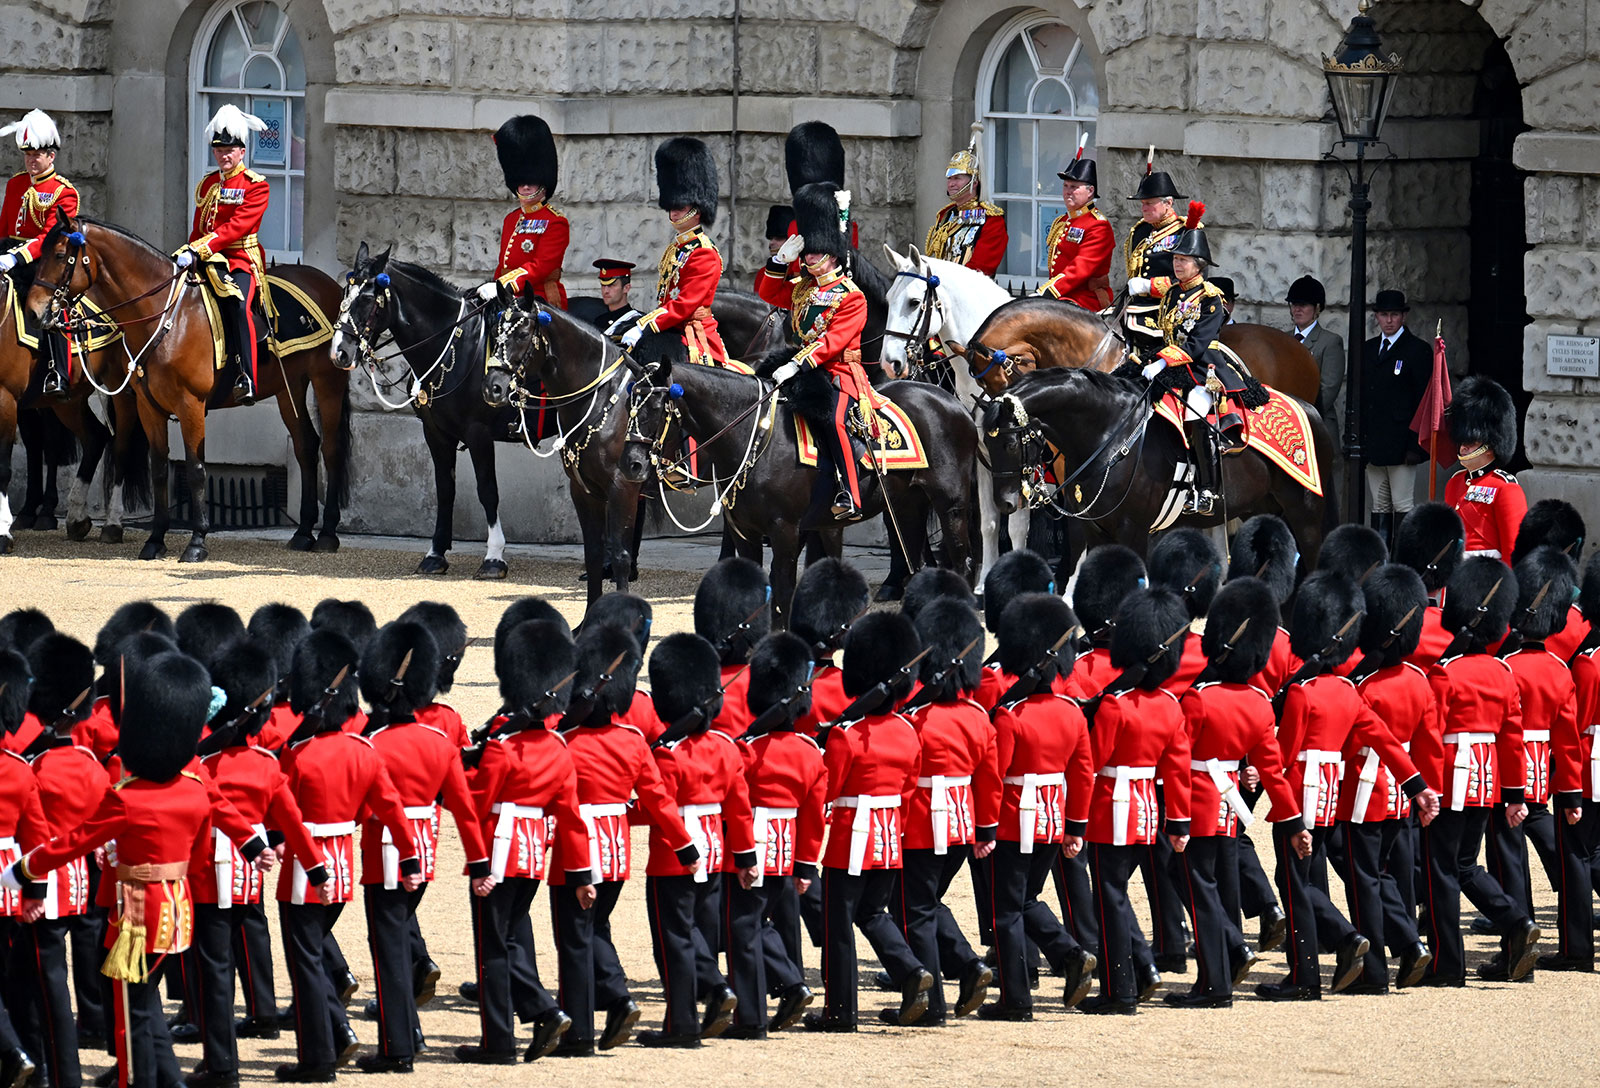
1487,214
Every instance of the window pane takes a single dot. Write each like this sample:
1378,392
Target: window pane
1012,170
297,130
227,56
262,20
274,224
1020,231
293,61
261,74
296,215
1051,97
1012,80
1058,142
1081,80
1053,42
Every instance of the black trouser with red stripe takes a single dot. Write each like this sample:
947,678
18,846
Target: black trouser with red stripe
1018,916
1314,923
208,968
834,453
676,905
1166,905
793,921
242,313
88,940
1450,849
1375,909
389,913
929,927
252,959
1113,867
1210,866
1075,891
758,958
1576,844
494,916
144,1054
1505,855
591,976
851,902
50,1031
318,1012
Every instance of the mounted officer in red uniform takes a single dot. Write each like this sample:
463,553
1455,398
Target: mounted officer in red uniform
533,236
1148,255
1080,242
32,199
968,230
229,204
686,283
1482,420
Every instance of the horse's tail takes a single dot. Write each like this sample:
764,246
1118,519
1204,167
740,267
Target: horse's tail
136,492
339,476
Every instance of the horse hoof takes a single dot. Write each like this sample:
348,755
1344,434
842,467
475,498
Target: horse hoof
433,564
327,543
153,549
23,522
111,534
194,553
45,523
492,570
79,530
890,592
301,542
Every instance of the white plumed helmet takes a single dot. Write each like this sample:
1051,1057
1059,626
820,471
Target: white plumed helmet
231,127
35,132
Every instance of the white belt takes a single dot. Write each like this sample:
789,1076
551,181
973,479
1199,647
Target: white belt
763,829
1122,797
1594,763
1311,789
7,843
505,830
391,852
297,890
1366,782
1470,553
590,813
1219,770
861,827
1028,804
1463,761
1533,736
939,805
222,861
692,820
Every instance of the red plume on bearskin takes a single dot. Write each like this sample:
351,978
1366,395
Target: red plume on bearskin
1196,210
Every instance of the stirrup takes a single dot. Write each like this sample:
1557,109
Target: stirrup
53,385
844,507
244,390
1200,501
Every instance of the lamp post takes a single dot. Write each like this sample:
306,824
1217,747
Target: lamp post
1361,81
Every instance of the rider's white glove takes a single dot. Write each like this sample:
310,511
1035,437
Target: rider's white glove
791,249
489,291
8,261
1138,285
184,257
785,372
631,337
1152,369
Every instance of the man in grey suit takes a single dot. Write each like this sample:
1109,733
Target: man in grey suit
1306,300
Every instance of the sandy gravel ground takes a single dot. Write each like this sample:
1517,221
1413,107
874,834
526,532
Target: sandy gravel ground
1488,1034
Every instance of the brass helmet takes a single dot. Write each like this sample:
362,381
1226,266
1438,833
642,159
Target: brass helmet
966,161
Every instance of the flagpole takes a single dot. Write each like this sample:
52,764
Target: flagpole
1433,436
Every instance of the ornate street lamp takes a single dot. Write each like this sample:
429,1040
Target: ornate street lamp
1361,81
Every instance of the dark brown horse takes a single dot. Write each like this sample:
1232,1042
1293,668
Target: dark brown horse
166,328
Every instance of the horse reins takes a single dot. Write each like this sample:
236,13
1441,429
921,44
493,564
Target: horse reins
917,340
1027,427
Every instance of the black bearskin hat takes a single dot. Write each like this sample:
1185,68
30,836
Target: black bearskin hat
1553,522
1109,573
685,675
816,214
524,610
380,666
728,594
1481,412
317,661
1430,541
1145,621
1236,655
875,650
1589,591
444,624
1546,579
168,697
244,671
1326,602
22,627
1186,562
948,625
204,630
1030,625
1264,548
627,610
537,655
686,176
138,647
16,684
63,670
812,152
1391,592
1017,572
130,619
779,216
278,628
779,668
932,584
527,153
352,619
828,597
1354,551
1470,591
597,647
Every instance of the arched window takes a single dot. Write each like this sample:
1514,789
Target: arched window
1036,96
248,54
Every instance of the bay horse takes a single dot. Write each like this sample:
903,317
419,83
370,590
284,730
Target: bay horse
172,373
1120,462
748,452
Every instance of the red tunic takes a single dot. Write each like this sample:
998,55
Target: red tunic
641,715
1574,774
973,234
704,774
97,732
1475,749
1091,673
533,243
279,728
872,771
1190,666
1230,723
445,719
1320,717
253,781
22,821
686,285
1434,642
1492,506
30,206
827,316
23,738
1401,697
1044,772
786,775
1135,737
524,781
828,700
1565,642
614,764
1080,245
1549,700
227,214
424,764
959,774
735,718
1281,664
72,784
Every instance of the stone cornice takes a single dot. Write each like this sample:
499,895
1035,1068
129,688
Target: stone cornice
74,93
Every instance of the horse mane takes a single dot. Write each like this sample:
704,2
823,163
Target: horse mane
1064,311
57,228
1052,378
428,278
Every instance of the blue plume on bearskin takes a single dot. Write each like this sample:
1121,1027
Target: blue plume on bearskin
168,698
244,670
1109,573
685,675
728,610
780,666
1430,541
877,647
1264,548
625,610
1237,656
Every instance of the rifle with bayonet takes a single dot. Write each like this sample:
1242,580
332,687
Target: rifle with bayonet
1464,635
691,720
937,688
227,734
1371,663
1210,671
1128,679
383,710
872,700
515,722
583,705
1514,639
1028,683
730,641
316,715
1313,664
776,714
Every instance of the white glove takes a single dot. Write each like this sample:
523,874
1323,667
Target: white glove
786,371
1138,285
615,328
631,337
489,291
1152,369
10,878
791,249
184,257
8,261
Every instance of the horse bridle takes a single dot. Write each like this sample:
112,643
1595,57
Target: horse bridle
1032,434
61,295
366,351
917,339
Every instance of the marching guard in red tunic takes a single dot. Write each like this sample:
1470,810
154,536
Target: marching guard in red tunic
731,613
1556,523
533,235
33,198
1429,541
1575,779
1081,241
1482,421
969,230
23,827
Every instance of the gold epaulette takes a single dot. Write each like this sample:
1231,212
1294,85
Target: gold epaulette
253,176
992,209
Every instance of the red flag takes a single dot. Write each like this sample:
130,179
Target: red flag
1429,417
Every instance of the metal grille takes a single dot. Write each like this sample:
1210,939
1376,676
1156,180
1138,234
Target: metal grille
237,496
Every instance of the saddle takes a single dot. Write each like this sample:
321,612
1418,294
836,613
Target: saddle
285,319
1279,430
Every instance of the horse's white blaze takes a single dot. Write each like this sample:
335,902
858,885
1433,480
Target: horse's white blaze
496,549
5,514
114,506
338,341
77,504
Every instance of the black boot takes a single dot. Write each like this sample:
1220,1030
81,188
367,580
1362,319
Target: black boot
55,364
1203,494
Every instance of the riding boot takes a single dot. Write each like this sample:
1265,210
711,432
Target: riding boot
1383,525
244,386
1203,493
55,363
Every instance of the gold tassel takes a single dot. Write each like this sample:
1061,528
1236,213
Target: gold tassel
126,960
